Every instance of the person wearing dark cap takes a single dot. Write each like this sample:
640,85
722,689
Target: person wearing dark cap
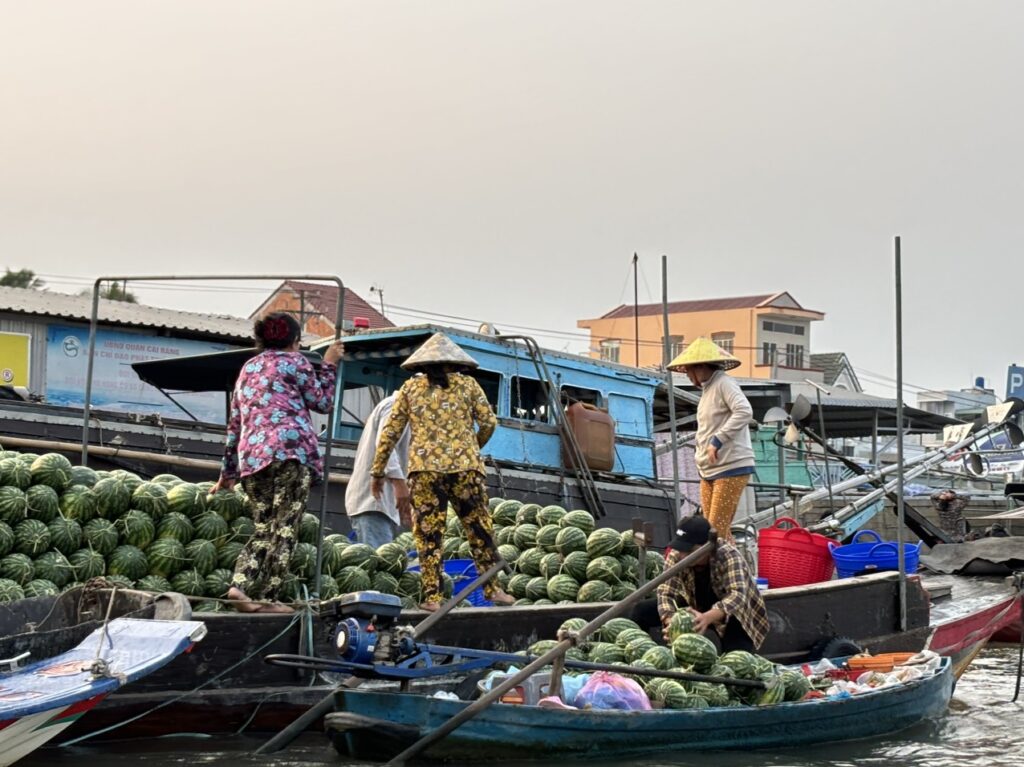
718,591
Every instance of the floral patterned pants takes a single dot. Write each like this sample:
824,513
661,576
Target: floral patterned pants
279,494
720,497
431,493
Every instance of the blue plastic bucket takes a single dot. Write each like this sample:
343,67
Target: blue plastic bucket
462,571
873,555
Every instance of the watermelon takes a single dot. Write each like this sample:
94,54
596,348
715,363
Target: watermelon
630,566
128,479
546,537
508,553
680,623
575,564
542,646
87,564
570,539
40,587
526,536
303,560
627,635
79,502
43,503
764,666
605,569
101,536
529,562
604,543
562,587
358,555
494,503
610,631
409,586
606,652
27,458
151,497
505,536
6,539
551,565
187,499
517,585
629,543
121,581
112,497
550,515
594,591
83,475
167,479
166,557
135,527
210,606
717,695
201,554
774,693
211,526
582,520
502,579
543,602
660,657
384,582
450,548
678,698
527,514
453,527
128,561
14,473
331,556
309,529
175,525
537,588
10,591
352,579
505,512
65,535
217,583
189,582
53,566
228,555
18,568
639,647
796,684
571,625
695,651
329,587
292,588
242,529
655,564
13,505
31,537
52,470
741,663
227,503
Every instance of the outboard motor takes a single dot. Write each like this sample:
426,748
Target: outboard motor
366,631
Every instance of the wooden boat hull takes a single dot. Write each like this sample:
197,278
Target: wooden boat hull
374,725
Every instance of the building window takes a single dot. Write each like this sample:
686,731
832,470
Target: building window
768,351
675,346
794,356
783,327
610,351
529,401
724,341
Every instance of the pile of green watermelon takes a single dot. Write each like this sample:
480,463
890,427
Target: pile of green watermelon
62,525
621,642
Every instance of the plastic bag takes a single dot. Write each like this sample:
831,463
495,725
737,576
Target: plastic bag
605,690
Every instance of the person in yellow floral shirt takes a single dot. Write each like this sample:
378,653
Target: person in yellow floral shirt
440,406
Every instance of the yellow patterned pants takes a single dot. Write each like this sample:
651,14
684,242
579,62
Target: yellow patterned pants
431,493
720,497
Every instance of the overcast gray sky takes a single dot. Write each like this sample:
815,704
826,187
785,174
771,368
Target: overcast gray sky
503,160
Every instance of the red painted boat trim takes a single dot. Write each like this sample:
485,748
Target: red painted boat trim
970,630
74,711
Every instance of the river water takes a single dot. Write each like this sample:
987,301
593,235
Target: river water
981,728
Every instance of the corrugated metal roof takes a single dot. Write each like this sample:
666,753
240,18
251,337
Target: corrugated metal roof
704,305
65,306
832,364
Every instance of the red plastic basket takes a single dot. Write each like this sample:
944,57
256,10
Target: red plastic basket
793,556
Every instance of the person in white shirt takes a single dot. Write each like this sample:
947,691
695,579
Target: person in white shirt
376,522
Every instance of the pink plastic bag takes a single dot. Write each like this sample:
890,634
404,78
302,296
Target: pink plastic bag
606,690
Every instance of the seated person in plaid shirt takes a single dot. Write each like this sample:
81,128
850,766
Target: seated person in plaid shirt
718,591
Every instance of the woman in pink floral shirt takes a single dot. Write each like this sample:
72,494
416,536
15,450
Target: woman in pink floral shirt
272,448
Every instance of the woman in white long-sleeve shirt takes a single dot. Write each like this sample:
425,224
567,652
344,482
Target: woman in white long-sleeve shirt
724,455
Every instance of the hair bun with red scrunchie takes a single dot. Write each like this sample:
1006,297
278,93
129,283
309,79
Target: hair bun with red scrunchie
276,329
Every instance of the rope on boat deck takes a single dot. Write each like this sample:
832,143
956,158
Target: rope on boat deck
197,688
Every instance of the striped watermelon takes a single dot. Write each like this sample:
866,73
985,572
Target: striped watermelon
128,479
605,569
604,543
328,587
43,503
52,470
680,623
352,579
537,588
630,566
571,625
505,512
517,585
796,684
18,568
695,651
639,647
6,539
112,497
155,583
392,558
550,515
629,543
121,581
570,539
610,631
14,473
101,535
583,520
561,587
87,564
187,499
508,553
167,479
655,564
505,535
409,585
202,555
526,535
465,550
217,583
605,652
551,565
135,527
309,529
177,526
211,526
10,591
303,560
450,548
630,635
527,514
79,502
384,582
53,566
660,657
715,694
166,557
13,505
83,475
31,537
27,458
189,582
542,646
65,535
529,562
151,497
742,663
128,561
575,564
546,537
227,503
358,555
622,590
453,527
242,529
228,555
331,556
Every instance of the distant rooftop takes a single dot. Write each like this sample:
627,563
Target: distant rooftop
43,303
323,299
782,300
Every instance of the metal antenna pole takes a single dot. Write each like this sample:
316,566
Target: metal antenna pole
665,352
824,439
636,315
900,504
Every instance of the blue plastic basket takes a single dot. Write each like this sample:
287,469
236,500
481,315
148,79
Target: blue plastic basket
462,571
873,555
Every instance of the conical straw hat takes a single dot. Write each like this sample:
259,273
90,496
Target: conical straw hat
704,351
439,349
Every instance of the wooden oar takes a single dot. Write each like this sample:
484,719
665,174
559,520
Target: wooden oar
557,651
320,709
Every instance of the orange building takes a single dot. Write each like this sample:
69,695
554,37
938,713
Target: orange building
770,334
315,305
